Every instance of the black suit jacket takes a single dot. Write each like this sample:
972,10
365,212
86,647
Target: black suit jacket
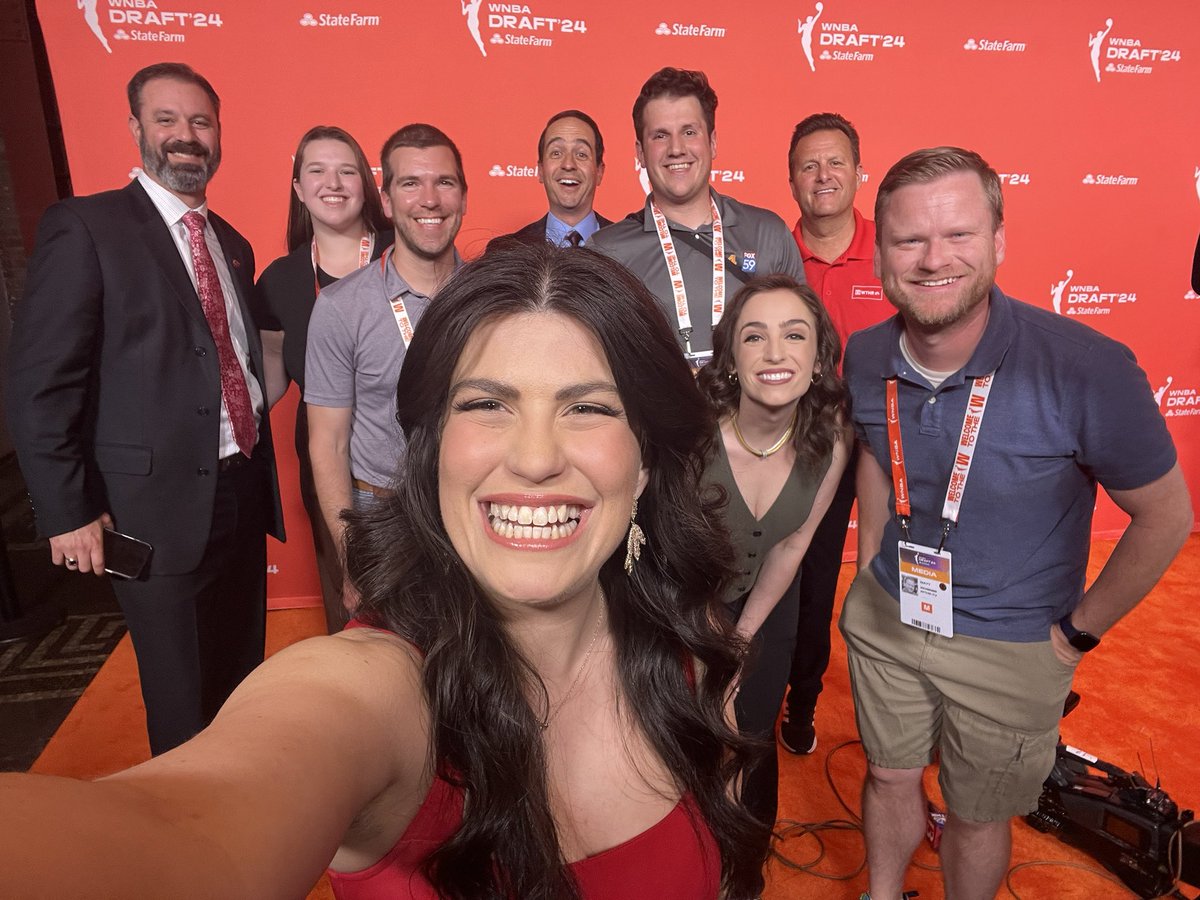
114,388
535,232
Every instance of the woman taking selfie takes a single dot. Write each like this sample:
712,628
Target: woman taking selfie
335,226
538,708
773,381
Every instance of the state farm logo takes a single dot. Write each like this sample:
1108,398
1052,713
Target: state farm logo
1176,401
512,171
1125,55
338,20
1080,298
841,41
1111,180
994,45
133,15
516,25
687,29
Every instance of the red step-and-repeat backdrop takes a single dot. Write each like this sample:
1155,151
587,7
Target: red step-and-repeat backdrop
1088,110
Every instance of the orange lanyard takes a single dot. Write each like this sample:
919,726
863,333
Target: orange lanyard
365,248
968,440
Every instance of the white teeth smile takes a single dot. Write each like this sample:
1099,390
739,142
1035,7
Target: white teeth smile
939,282
430,221
679,167
775,377
534,522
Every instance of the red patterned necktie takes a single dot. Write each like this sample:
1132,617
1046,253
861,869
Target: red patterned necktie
233,382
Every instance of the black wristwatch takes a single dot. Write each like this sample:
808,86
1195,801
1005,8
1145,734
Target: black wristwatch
1081,640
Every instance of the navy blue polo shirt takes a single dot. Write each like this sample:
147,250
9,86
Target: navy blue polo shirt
1069,408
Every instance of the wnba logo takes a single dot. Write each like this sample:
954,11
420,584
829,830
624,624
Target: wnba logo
470,9
516,25
92,17
1072,297
1095,41
1175,402
1126,55
1056,290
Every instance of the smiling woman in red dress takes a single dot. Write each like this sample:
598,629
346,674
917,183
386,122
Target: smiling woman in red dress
537,705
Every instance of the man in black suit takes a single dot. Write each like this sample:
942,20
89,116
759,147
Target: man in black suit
570,168
136,402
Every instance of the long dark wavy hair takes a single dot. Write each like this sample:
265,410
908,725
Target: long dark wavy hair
487,738
299,221
821,413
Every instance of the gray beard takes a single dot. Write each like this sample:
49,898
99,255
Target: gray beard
183,179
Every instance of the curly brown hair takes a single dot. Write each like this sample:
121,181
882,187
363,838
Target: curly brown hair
822,411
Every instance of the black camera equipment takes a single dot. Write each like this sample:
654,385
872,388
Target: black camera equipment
1131,827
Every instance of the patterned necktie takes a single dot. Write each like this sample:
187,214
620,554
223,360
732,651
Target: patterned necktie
233,382
573,238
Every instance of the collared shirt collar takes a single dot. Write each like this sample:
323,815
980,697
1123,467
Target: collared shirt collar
170,207
728,215
557,230
396,284
989,352
862,246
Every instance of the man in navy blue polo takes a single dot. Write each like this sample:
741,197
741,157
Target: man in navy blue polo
987,424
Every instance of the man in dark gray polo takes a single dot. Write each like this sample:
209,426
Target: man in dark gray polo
713,242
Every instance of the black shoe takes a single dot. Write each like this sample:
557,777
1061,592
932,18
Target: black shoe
798,737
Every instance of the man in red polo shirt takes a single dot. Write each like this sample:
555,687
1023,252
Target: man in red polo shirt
837,245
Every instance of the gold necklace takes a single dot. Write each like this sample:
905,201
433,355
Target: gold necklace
587,654
774,448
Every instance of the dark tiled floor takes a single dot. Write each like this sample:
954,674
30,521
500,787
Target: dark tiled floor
68,625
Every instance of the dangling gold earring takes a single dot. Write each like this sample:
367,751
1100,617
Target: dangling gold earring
635,541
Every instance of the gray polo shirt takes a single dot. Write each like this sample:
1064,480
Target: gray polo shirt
353,360
757,239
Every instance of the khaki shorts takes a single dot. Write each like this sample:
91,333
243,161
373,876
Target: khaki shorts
991,708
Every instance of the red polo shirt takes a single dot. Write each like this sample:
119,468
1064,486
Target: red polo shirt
848,286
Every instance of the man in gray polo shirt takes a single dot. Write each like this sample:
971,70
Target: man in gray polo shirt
714,242
361,326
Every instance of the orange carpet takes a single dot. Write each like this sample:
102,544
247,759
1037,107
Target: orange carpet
1139,698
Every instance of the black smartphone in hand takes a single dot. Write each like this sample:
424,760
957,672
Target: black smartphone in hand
124,556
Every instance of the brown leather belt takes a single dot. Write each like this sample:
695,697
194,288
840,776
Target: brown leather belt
361,485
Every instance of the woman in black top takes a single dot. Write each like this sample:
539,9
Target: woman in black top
335,225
